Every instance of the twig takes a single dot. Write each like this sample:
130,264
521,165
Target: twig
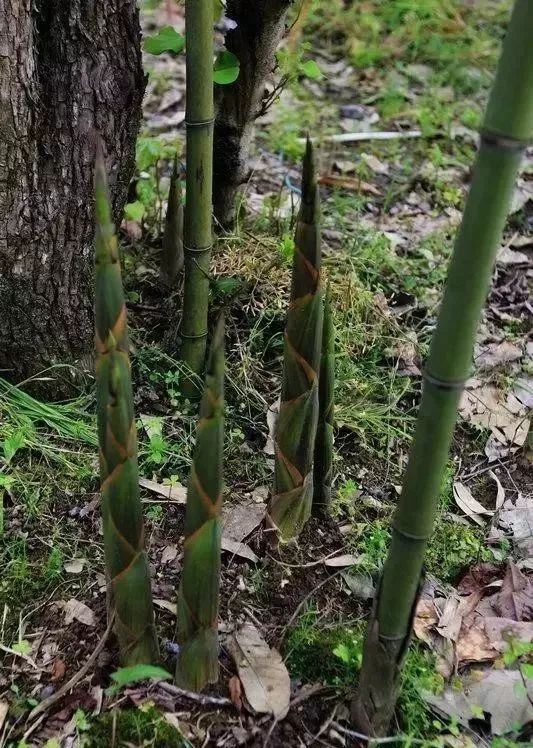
307,565
376,741
309,693
58,695
303,602
352,137
22,656
266,741
198,697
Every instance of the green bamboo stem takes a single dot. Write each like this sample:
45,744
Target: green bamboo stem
507,129
199,589
198,238
127,565
292,496
172,254
323,464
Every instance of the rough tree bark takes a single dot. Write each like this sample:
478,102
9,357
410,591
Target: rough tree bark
68,70
254,40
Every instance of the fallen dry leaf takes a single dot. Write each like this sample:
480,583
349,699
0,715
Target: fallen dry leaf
58,669
507,256
177,493
500,491
523,390
425,619
75,566
496,354
360,585
166,605
515,598
517,519
240,520
75,610
238,549
4,708
484,406
170,553
478,577
235,692
272,419
347,559
347,183
264,677
469,505
473,643
496,692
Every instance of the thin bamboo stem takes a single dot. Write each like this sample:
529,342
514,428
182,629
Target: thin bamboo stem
507,129
198,236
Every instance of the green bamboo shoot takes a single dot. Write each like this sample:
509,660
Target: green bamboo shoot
199,589
507,130
172,254
198,237
292,497
127,565
323,465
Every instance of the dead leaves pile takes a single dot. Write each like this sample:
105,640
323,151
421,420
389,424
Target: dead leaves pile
473,624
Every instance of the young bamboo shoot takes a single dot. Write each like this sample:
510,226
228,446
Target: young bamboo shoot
127,565
199,589
292,497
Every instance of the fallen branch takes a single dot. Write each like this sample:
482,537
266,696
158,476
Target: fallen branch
352,137
198,697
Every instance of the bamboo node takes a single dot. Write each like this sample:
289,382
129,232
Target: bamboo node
198,250
508,142
200,122
443,384
195,337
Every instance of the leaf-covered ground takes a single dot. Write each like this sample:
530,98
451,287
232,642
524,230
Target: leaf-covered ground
390,212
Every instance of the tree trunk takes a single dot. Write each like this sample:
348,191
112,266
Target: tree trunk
68,71
254,41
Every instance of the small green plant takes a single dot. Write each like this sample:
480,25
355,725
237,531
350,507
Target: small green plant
140,727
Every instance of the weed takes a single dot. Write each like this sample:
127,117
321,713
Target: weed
333,656
138,727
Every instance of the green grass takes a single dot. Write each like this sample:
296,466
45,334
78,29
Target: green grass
333,656
140,728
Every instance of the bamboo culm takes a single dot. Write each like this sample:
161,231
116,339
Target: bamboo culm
127,565
199,589
198,237
292,496
506,131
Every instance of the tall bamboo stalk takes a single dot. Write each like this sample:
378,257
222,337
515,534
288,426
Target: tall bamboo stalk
127,565
323,464
199,589
198,238
507,129
292,497
172,254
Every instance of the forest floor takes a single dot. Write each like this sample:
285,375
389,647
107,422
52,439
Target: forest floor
390,213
